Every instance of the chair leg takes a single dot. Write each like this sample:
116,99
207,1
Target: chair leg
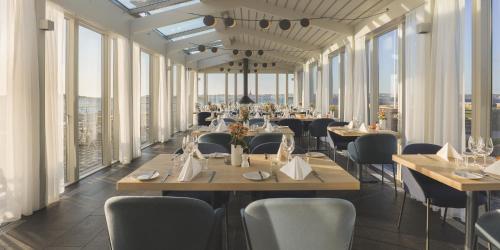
382,174
401,212
394,179
226,227
444,216
427,224
335,153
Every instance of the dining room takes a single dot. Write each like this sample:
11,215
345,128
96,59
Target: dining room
264,124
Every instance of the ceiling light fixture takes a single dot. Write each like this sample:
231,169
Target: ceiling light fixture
284,24
209,20
229,22
214,49
264,24
260,52
304,22
201,48
235,52
248,53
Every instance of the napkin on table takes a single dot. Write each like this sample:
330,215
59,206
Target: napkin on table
363,128
296,169
350,125
494,168
190,169
447,151
257,115
221,127
269,127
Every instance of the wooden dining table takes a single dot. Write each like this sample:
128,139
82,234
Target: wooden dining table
221,177
349,132
251,132
440,170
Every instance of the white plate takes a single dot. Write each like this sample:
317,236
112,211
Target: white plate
315,154
217,155
466,174
147,176
254,176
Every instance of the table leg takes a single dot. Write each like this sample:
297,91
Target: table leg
471,214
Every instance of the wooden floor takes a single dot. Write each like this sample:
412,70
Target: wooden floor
77,220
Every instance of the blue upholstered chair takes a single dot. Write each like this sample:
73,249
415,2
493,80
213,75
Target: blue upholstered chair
273,147
374,149
487,227
208,148
223,139
263,138
162,222
282,223
201,117
427,190
228,121
256,121
318,129
296,125
339,142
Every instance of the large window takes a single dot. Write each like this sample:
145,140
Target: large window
291,86
231,88
251,86
282,89
201,89
145,99
495,98
216,87
467,74
89,126
267,88
239,86
313,82
388,74
335,83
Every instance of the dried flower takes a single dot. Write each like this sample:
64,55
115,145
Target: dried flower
238,133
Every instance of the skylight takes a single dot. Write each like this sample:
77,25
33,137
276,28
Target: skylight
192,34
182,26
133,4
173,7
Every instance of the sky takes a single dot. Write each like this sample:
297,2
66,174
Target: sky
89,63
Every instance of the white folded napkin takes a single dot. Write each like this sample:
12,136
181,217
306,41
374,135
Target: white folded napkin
363,128
221,127
190,169
448,151
224,115
296,169
318,116
257,115
494,168
350,125
269,127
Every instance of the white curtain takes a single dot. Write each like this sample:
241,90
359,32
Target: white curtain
446,73
417,52
155,97
183,98
136,100
169,106
360,81
19,109
163,110
124,99
348,80
55,68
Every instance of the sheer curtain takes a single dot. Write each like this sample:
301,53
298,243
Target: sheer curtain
155,97
19,109
55,79
360,81
446,73
124,99
417,48
163,109
348,80
183,98
136,100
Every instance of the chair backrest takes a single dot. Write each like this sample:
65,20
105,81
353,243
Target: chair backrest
337,139
207,148
223,139
201,116
158,222
297,224
273,147
263,138
229,120
376,148
318,127
256,121
414,182
296,125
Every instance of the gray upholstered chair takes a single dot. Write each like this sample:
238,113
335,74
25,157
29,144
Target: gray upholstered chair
487,227
374,149
273,147
223,139
162,223
264,138
298,224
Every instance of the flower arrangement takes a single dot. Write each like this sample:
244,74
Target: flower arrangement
381,115
213,107
238,133
244,114
269,107
332,108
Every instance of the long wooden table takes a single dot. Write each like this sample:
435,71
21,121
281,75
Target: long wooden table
229,178
252,132
347,132
440,170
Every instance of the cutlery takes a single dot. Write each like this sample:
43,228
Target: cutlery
428,157
166,176
266,157
261,177
152,174
211,177
317,176
489,175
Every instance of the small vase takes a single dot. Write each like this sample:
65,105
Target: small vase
236,152
382,124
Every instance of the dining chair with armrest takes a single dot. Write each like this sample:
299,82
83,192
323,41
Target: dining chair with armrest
487,227
318,129
339,142
223,139
264,138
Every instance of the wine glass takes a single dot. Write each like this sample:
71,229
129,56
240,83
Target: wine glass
488,149
289,146
471,146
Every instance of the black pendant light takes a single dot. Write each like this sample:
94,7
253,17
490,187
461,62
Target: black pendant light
248,53
201,48
221,69
214,49
264,65
273,64
256,65
304,22
260,52
285,24
209,20
229,22
235,52
264,24
231,63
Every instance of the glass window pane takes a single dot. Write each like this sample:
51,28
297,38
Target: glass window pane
239,85
201,88
291,86
468,68
145,98
182,26
313,81
231,88
89,100
335,83
216,87
267,88
282,88
251,86
388,77
495,98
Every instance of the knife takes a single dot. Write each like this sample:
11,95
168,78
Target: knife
261,177
166,176
317,176
152,174
211,177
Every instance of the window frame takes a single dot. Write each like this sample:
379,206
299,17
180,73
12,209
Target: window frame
341,54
